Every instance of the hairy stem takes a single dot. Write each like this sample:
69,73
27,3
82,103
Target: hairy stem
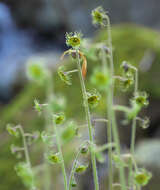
110,106
133,132
88,118
26,152
61,157
109,126
47,172
74,166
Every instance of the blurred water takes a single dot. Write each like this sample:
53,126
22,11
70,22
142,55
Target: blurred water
15,47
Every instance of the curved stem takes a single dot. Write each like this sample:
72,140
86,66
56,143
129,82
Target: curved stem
88,118
74,166
61,157
26,152
47,172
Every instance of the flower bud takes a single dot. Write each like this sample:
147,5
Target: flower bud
14,131
58,118
99,16
93,98
81,168
84,150
64,76
53,158
141,99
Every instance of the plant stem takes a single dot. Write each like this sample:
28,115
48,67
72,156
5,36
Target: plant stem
133,133
110,106
26,152
61,157
121,108
88,118
49,92
74,166
109,127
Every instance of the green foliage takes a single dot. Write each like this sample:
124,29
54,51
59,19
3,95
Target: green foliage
25,173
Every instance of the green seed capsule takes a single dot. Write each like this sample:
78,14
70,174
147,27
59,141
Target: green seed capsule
142,177
81,168
58,118
53,158
64,76
12,130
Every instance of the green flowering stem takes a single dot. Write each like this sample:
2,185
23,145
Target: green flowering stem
73,71
88,118
133,133
49,92
121,108
74,165
109,127
111,113
26,152
61,157
100,120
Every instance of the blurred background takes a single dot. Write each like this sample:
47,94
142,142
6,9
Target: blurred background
35,29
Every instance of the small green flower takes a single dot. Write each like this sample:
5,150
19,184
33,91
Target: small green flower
125,66
24,171
81,168
99,16
53,158
36,71
142,177
100,79
141,99
73,182
144,123
127,82
14,131
73,39
37,106
84,150
93,98
58,118
64,76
